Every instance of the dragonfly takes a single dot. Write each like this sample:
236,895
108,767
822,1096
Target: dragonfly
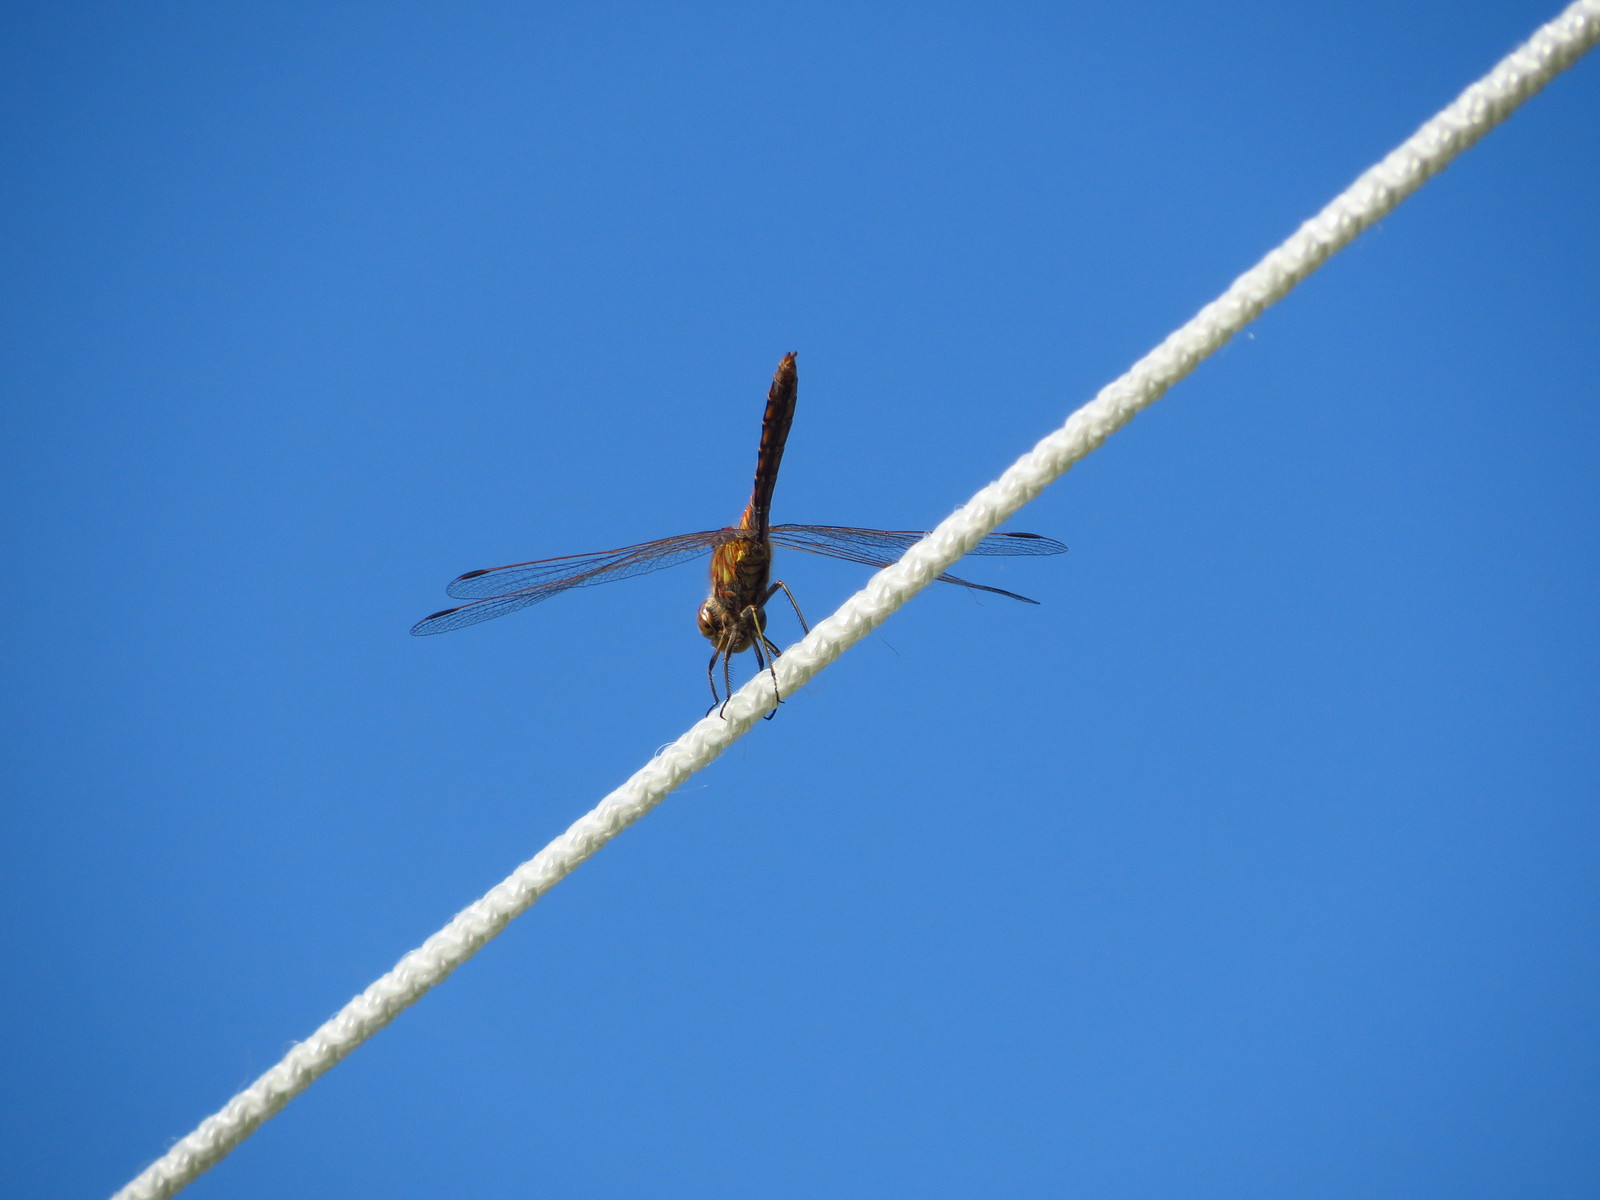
733,617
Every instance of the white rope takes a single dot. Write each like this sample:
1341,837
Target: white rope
1482,106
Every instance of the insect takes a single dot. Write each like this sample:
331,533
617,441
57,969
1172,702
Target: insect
734,616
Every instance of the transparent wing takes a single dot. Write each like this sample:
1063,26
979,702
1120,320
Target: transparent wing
880,547
480,610
831,539
501,590
580,570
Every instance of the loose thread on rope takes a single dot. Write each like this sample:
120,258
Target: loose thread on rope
1372,196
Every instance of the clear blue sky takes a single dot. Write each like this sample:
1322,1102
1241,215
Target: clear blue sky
1258,861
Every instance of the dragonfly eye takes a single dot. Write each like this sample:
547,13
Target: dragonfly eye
711,619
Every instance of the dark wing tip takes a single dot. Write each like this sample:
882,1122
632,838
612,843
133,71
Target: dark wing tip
1047,545
420,628
1013,595
470,575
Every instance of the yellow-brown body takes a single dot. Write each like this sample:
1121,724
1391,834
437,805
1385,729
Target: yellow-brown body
734,614
734,617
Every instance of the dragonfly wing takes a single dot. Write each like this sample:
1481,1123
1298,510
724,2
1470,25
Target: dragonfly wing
479,610
1019,543
502,590
831,539
581,570
880,547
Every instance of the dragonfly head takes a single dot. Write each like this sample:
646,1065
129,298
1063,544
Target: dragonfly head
728,630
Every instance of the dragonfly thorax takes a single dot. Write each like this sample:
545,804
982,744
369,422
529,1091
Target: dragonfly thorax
731,617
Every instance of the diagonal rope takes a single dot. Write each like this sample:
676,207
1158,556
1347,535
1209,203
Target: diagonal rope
1485,104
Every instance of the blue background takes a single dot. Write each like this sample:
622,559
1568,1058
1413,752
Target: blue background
1259,861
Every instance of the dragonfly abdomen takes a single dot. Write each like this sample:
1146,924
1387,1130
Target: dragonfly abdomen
775,424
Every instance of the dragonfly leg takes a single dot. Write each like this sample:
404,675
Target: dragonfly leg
711,678
751,623
772,649
783,587
766,650
727,677
766,654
